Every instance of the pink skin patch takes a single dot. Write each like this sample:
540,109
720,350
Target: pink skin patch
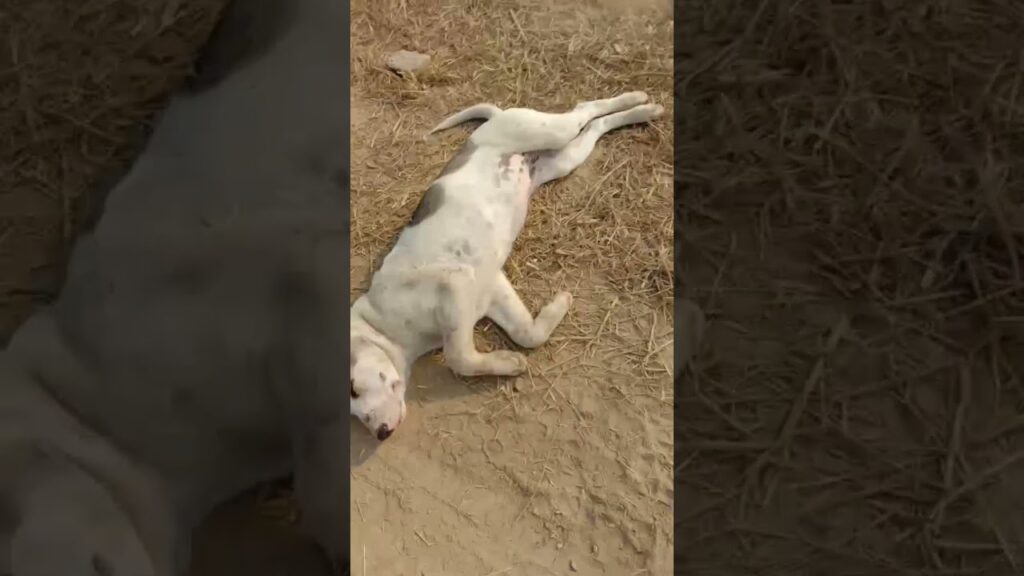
520,173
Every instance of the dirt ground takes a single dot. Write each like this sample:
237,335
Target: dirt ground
851,223
569,467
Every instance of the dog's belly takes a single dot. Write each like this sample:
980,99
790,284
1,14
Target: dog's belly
472,221
472,216
495,189
514,178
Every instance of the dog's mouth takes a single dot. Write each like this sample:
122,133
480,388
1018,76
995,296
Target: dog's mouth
384,431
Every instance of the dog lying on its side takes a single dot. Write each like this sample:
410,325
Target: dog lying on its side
445,272
193,351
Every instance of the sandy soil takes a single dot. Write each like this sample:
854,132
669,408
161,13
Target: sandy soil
569,467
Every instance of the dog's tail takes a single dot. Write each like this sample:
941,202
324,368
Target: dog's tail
477,112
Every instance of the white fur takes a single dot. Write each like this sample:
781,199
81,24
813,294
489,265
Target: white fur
191,352
445,271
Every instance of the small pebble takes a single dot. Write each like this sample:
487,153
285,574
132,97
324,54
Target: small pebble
559,546
406,61
572,565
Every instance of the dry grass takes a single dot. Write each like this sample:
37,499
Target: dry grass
618,230
852,222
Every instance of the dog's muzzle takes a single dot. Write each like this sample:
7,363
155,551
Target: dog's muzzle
383,432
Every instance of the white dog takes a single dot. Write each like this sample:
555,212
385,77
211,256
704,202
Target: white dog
445,271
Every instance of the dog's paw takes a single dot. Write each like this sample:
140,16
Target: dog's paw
561,302
647,112
551,315
635,98
563,299
510,363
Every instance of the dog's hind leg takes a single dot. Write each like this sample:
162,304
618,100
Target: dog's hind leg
510,313
520,130
557,164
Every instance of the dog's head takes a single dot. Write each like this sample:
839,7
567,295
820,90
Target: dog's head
378,389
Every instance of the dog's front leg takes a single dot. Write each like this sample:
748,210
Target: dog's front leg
465,360
459,348
512,315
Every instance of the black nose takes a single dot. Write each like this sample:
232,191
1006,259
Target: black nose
383,432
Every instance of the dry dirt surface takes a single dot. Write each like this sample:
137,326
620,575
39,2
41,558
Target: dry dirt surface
567,468
852,222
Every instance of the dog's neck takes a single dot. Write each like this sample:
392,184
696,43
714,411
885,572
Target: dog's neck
361,326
